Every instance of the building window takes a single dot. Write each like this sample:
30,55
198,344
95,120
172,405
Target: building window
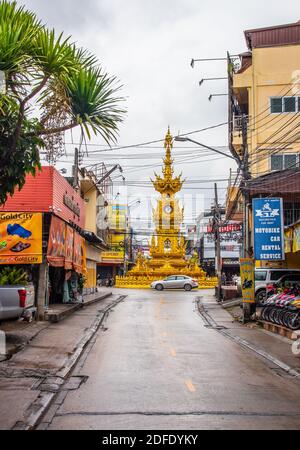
289,104
290,161
291,213
276,105
276,162
284,104
281,162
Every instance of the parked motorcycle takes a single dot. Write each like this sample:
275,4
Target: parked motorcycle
282,307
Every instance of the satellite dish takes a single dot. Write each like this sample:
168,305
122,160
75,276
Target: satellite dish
101,220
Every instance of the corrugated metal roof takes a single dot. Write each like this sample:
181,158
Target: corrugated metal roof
246,61
44,190
283,182
273,36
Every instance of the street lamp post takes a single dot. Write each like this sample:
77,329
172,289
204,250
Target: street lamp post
186,139
243,165
129,206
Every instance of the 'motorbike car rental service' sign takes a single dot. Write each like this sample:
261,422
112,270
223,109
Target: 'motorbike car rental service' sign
268,229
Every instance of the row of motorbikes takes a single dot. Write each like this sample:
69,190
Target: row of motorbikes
282,306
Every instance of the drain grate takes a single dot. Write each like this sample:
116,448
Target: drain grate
56,384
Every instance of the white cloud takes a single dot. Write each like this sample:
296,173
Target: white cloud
149,45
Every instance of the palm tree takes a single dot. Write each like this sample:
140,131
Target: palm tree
49,86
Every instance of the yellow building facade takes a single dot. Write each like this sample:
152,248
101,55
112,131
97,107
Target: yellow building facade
265,87
264,115
117,216
94,244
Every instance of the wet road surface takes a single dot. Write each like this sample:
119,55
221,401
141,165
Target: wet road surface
154,365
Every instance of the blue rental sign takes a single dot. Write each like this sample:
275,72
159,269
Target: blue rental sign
268,229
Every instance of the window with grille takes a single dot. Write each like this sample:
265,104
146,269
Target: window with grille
291,212
281,162
284,104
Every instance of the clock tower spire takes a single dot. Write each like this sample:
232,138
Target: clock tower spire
168,214
167,184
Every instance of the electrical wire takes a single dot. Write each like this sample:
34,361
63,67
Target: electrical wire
278,131
162,140
268,107
296,137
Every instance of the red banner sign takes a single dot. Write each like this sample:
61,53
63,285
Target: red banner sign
69,248
56,243
78,252
227,228
65,246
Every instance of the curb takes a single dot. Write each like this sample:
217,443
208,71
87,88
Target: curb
58,317
243,342
40,406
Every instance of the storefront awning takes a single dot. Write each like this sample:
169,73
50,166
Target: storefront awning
282,183
92,238
66,248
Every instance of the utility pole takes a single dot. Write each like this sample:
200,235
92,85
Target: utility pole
247,310
128,228
125,245
243,164
216,229
75,168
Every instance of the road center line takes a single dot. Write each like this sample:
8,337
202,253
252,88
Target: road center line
190,385
173,352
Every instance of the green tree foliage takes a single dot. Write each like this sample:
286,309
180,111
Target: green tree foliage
13,276
50,86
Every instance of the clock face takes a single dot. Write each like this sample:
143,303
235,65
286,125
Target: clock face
168,209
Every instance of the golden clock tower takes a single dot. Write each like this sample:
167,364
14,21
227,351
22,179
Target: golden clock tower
167,249
168,215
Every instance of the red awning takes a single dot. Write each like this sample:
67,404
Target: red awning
56,243
65,246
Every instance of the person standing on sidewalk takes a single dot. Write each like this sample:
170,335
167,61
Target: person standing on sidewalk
223,279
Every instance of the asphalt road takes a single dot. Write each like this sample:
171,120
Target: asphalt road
154,365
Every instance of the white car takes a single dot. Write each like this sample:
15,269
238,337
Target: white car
175,282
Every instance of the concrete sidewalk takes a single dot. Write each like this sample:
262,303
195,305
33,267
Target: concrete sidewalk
58,312
48,351
19,332
269,343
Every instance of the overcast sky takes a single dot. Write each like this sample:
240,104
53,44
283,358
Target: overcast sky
148,45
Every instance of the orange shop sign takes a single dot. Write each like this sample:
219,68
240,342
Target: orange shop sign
20,238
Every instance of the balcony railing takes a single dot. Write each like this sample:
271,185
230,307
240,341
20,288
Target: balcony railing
237,123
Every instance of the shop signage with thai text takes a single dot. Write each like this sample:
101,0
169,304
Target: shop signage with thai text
71,205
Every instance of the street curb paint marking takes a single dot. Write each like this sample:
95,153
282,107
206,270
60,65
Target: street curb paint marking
179,413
